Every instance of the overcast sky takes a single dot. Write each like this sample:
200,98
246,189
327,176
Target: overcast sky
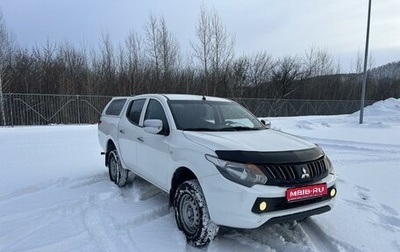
280,27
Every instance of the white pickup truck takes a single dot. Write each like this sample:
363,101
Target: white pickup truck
220,165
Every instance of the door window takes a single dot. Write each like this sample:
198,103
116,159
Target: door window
115,107
156,111
134,111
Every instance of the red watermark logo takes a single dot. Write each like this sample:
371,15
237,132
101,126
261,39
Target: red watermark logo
306,192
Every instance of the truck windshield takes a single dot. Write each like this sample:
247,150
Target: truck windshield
212,116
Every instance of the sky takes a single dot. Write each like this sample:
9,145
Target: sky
281,28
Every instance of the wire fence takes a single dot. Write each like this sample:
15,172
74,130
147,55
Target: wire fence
38,109
283,107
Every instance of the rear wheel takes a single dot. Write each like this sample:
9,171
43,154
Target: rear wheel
117,174
191,214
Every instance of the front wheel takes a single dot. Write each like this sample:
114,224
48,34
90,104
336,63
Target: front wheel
191,214
117,174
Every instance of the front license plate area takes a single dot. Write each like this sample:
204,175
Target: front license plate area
306,192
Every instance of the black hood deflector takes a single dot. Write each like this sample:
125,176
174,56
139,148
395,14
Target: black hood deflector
271,157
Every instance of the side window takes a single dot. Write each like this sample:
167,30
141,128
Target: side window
156,111
115,107
134,111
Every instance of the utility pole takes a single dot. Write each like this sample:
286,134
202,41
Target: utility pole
364,83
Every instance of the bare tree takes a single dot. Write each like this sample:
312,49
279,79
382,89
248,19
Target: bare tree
169,54
287,76
260,72
356,67
222,51
319,62
152,45
202,50
46,68
214,49
135,61
5,61
107,66
162,50
169,48
5,58
73,69
239,77
22,71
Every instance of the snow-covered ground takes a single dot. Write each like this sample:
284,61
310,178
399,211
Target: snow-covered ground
55,194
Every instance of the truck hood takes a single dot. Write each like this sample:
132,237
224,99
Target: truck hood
260,140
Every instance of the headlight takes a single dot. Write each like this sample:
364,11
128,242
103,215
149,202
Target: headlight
244,174
328,164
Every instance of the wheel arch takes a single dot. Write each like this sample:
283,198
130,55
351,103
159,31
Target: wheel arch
110,146
181,175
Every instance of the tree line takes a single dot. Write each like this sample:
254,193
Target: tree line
153,62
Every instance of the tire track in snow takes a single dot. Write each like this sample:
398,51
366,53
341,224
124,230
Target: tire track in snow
107,215
303,236
58,183
351,152
318,237
108,219
277,237
32,222
359,197
149,216
381,214
139,190
102,229
356,146
151,202
83,200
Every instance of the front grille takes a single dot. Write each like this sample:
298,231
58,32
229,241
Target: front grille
294,174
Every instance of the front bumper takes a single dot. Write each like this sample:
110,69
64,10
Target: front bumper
276,204
234,205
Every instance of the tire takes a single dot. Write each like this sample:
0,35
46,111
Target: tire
117,174
191,214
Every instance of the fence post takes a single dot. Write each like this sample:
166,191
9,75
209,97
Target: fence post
79,112
11,108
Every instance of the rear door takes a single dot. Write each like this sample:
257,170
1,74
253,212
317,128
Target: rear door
128,133
108,124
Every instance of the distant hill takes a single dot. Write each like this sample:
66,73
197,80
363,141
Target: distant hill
390,70
383,82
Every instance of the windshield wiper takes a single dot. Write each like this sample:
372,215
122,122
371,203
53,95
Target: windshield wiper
200,129
237,128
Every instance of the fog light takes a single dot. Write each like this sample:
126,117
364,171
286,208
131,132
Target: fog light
333,192
263,206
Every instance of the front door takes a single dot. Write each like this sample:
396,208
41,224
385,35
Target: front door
153,149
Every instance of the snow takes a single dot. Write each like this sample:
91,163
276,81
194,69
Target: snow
55,194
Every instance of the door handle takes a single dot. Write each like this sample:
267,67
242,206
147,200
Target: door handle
140,139
122,131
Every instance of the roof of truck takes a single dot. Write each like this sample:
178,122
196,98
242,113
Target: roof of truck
176,97
192,97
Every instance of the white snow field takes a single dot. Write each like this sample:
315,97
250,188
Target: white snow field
55,194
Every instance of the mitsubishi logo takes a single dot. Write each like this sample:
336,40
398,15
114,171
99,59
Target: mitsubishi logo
305,173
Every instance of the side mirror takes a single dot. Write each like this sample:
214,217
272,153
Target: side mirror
267,123
153,126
